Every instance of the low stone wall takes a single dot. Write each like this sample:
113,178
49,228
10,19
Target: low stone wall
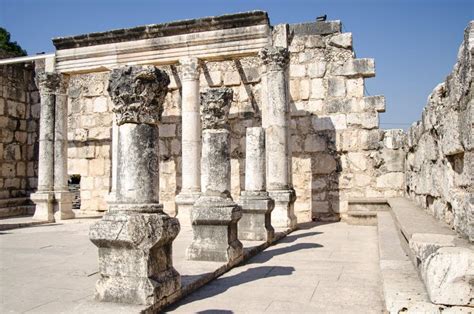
440,159
338,150
19,113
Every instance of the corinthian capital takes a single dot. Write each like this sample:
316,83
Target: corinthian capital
138,93
189,68
215,107
47,82
275,58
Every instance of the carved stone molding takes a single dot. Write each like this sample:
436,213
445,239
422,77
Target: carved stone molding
215,107
275,58
138,93
47,82
189,68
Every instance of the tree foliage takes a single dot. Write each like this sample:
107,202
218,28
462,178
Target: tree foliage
7,47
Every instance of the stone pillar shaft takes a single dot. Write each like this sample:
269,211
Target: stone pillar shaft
135,236
256,205
279,183
48,84
63,198
190,139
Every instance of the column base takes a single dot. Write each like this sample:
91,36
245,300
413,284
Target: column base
214,222
135,257
44,206
283,216
184,204
63,205
255,224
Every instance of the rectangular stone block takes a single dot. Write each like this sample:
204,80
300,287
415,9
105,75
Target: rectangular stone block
357,68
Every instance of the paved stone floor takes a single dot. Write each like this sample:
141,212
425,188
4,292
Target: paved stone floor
319,268
330,268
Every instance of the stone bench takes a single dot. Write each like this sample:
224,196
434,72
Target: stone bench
444,260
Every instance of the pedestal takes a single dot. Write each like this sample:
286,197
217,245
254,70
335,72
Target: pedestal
256,224
135,257
215,231
283,216
63,205
44,206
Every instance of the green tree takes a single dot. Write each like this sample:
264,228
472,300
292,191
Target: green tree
8,48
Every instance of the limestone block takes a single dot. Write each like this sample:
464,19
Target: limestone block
232,78
255,223
318,89
318,207
314,41
394,180
365,120
304,89
356,68
448,274
450,137
393,160
343,40
314,143
333,122
211,78
295,90
336,87
167,130
355,87
357,161
425,244
362,180
317,69
394,139
100,104
323,163
297,70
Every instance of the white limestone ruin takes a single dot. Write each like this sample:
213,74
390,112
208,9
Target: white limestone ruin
236,128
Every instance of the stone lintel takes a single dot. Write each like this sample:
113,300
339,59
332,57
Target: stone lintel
315,28
226,21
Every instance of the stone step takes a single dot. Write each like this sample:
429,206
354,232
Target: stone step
19,206
363,211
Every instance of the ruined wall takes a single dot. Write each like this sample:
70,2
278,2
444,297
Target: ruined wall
19,113
338,151
440,160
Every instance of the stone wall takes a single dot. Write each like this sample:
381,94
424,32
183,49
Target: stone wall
19,113
338,150
440,159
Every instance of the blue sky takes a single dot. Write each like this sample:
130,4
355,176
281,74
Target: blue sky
414,42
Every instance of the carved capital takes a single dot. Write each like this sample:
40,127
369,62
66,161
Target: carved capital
189,68
275,58
138,93
47,82
215,107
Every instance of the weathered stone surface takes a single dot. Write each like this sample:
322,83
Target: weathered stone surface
425,244
448,275
138,94
135,257
215,107
343,40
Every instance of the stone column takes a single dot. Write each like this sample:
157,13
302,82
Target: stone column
63,198
255,202
190,140
215,215
135,236
275,60
48,84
